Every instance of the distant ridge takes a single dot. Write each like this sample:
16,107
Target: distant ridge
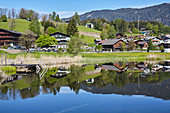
159,13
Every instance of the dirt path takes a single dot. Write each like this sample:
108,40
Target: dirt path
97,35
12,51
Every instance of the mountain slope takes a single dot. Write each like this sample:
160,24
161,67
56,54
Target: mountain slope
160,13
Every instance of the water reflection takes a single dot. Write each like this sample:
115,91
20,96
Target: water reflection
126,78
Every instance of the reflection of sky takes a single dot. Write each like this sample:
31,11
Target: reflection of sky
68,102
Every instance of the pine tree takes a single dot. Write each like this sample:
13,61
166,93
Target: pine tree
57,19
72,28
76,18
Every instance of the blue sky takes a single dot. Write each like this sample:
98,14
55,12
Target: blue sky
66,8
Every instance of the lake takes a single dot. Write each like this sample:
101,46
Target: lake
120,87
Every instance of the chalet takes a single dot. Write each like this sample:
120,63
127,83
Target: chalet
89,25
112,44
62,39
142,43
155,40
9,37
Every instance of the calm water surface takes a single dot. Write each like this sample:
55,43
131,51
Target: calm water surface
133,87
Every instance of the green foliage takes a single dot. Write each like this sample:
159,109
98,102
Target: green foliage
155,28
98,48
72,28
62,27
76,18
45,41
123,48
112,32
3,18
74,46
161,47
118,25
104,34
135,30
131,45
35,27
149,26
150,45
51,30
57,19
8,69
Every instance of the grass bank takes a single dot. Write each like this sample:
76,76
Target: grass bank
130,56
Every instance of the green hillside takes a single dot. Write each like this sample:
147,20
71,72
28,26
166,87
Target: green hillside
21,25
85,29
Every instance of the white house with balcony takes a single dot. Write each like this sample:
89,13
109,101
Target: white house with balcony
62,39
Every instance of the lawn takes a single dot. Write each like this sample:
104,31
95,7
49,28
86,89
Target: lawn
89,39
21,25
85,29
128,56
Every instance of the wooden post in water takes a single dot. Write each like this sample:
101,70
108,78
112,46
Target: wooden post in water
1,59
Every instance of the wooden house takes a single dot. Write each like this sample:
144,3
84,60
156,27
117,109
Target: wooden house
9,37
112,44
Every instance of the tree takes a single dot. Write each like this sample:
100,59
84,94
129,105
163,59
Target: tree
112,32
45,41
155,28
123,27
104,34
27,39
12,24
74,46
131,45
135,30
150,45
51,30
35,27
149,26
72,28
53,15
162,48
62,27
9,14
3,18
57,19
44,19
118,25
98,48
76,18
23,14
123,48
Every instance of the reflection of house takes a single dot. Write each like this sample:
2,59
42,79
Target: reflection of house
12,78
89,25
118,67
91,80
62,39
9,37
61,72
112,44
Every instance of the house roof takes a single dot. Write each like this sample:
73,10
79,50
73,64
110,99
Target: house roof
111,41
142,42
60,34
14,32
